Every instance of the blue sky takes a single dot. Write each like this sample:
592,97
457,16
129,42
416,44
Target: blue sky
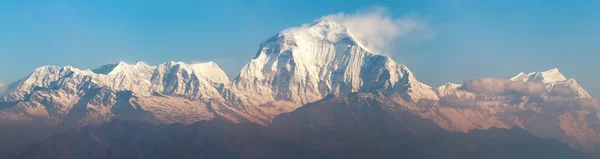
473,38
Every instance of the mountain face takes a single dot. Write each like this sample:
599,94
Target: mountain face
359,125
321,63
54,94
307,63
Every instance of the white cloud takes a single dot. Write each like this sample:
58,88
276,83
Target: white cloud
377,30
504,87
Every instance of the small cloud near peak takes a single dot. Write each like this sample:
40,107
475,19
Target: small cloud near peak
377,30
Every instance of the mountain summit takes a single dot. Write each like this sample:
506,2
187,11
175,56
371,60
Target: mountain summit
307,63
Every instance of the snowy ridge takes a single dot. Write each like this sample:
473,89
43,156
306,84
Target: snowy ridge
554,81
550,76
121,90
139,78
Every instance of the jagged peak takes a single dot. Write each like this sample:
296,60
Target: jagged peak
552,75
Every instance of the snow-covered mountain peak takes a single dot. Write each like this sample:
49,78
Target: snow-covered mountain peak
324,32
550,76
555,82
304,64
43,76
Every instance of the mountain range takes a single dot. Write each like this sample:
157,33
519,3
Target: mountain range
295,70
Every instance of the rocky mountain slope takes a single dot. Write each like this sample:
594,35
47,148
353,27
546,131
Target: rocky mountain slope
354,126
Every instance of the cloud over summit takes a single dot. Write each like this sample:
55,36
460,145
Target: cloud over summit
377,30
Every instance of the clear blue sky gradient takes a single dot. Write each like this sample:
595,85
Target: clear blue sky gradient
475,38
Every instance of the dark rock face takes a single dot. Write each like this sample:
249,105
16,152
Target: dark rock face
356,126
